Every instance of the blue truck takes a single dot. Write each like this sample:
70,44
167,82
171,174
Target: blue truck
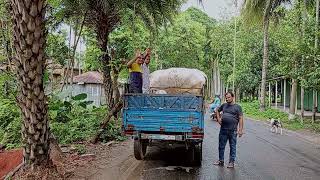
171,119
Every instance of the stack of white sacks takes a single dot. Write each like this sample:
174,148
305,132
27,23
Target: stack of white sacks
177,81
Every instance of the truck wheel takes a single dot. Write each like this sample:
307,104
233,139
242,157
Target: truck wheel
190,154
140,149
198,155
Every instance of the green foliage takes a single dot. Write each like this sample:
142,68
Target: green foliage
182,44
92,53
254,11
10,123
78,127
57,48
75,121
5,31
60,111
251,109
113,132
10,119
70,121
91,58
8,86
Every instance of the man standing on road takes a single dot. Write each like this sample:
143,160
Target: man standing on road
231,117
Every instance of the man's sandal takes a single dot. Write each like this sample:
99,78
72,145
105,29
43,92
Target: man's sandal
219,163
230,165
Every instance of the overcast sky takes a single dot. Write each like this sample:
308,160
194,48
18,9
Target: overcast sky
218,9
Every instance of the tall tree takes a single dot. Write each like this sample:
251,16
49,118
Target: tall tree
303,6
234,48
29,44
262,10
316,45
103,16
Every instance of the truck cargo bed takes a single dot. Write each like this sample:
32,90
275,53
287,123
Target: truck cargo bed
163,113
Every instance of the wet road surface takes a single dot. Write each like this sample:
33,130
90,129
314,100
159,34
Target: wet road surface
260,155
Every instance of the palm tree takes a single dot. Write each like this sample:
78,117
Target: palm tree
103,16
29,36
257,11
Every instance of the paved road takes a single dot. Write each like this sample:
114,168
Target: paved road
260,155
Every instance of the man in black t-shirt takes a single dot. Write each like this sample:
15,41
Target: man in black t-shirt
229,120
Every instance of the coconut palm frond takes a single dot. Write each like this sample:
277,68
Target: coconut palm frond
253,11
155,13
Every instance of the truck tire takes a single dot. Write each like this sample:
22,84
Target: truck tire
140,149
198,155
190,154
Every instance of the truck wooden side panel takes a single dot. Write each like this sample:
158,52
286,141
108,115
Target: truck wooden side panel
163,113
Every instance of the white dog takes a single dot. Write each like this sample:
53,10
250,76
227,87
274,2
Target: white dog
275,125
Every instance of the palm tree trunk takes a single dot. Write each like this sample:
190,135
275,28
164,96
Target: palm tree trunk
293,99
103,34
107,80
116,92
265,61
29,42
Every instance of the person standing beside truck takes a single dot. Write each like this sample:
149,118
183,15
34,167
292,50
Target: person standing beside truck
231,117
135,73
213,107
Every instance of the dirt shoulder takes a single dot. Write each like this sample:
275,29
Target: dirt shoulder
9,160
114,161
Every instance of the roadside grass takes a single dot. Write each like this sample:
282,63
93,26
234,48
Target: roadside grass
251,110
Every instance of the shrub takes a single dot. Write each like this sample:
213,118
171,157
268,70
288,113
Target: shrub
10,123
70,121
73,120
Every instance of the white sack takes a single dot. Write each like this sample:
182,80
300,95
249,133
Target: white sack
178,80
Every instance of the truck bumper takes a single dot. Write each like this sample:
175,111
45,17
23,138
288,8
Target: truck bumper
182,137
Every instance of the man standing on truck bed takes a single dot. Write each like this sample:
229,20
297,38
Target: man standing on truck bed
146,72
231,117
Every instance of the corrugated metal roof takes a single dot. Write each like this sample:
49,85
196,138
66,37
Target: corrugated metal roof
91,77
